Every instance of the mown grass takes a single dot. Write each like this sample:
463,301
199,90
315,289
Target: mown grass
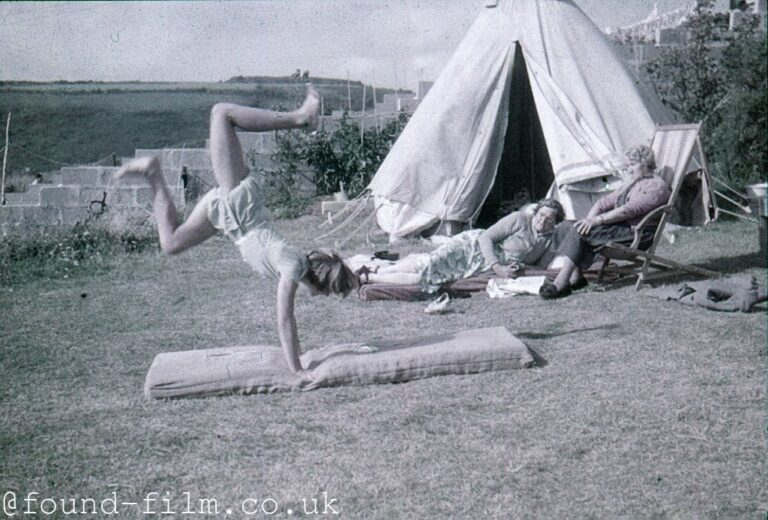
84,250
641,409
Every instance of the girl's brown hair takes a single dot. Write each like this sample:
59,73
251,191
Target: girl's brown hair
329,273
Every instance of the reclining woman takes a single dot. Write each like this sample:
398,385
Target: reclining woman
236,208
520,238
609,220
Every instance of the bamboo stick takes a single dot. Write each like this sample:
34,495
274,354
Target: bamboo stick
349,94
5,159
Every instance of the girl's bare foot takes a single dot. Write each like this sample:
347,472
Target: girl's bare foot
308,114
149,167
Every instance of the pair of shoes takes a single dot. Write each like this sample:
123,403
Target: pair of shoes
438,305
549,291
579,284
365,271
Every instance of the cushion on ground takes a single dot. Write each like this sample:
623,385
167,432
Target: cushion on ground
262,369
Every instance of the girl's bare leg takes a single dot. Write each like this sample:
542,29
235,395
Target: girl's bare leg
396,278
403,272
406,265
226,153
228,166
174,238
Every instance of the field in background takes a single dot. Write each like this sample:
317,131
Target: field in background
641,409
58,124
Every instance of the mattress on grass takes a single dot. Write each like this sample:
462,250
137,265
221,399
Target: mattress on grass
262,369
413,292
465,287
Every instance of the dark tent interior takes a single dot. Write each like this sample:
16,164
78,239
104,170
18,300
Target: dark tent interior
525,172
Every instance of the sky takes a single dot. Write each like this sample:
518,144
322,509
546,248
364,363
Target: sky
387,43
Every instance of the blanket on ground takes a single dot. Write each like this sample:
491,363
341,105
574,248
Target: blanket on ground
734,293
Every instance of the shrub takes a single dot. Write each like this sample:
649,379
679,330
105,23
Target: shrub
327,160
64,254
283,194
726,90
349,157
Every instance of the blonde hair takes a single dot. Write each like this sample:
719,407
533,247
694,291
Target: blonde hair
642,154
329,273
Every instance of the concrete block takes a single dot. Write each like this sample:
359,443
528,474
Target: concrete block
80,175
59,196
36,216
172,178
257,161
130,180
172,160
143,196
195,159
29,197
332,206
91,194
71,216
106,175
204,178
177,194
259,142
15,199
11,215
178,158
54,178
88,175
121,196
33,191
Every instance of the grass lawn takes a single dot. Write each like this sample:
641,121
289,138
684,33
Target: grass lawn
643,408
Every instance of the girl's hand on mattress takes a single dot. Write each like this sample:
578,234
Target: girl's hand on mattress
305,375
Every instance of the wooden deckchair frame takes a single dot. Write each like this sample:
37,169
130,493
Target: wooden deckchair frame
641,260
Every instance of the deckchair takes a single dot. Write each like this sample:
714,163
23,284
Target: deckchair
674,147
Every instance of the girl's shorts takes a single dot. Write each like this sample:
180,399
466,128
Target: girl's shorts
237,212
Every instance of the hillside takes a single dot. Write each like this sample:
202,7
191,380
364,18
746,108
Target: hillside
62,123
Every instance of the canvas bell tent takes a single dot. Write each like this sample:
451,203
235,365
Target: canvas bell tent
535,99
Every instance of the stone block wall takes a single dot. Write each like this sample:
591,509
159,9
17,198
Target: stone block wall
89,192
195,163
85,192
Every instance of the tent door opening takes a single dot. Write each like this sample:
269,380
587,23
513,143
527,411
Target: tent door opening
525,172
